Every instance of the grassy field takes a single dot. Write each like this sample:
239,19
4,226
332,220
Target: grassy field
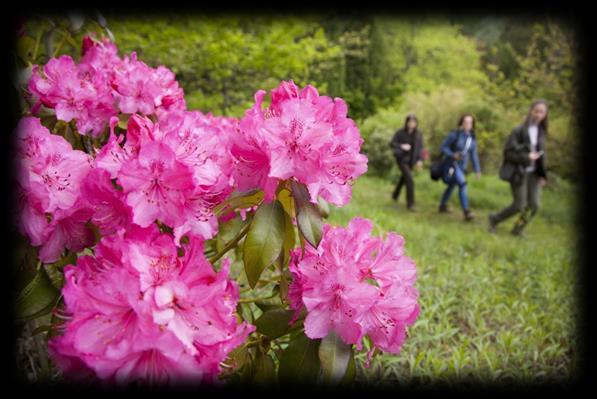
493,307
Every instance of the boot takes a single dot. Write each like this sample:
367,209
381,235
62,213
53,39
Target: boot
444,209
468,215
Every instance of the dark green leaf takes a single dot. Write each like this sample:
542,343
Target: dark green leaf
265,369
37,298
274,322
264,240
334,355
300,361
308,217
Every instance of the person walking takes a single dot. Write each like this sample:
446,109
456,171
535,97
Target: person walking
458,147
407,144
525,168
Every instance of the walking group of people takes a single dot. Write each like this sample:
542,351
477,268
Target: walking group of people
524,164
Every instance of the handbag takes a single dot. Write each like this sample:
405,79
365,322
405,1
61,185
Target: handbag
437,165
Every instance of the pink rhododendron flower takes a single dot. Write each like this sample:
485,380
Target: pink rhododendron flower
356,285
49,178
140,312
301,135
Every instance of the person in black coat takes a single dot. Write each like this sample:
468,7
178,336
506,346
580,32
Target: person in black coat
407,144
525,168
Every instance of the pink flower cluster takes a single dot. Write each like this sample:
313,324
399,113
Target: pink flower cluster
139,311
175,171
147,305
301,135
101,85
356,285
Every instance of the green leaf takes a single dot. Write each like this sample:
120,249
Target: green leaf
265,369
264,240
274,322
37,298
308,217
335,356
240,201
300,361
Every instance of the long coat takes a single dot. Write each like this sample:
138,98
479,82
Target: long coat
402,137
516,154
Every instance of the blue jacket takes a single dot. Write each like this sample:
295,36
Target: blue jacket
450,142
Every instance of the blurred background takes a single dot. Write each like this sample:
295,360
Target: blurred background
494,307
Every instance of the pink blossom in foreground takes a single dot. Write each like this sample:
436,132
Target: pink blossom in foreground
49,178
356,285
301,135
139,311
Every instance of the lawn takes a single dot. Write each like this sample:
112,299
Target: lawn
493,307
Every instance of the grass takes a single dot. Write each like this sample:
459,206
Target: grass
493,307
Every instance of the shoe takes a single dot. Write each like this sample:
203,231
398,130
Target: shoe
444,209
492,224
518,227
468,215
411,208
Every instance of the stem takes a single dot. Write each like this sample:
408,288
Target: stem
37,41
60,44
250,300
42,354
231,244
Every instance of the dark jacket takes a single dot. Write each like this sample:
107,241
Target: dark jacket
455,143
414,154
516,154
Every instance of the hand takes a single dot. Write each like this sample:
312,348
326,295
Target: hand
478,174
457,156
405,146
419,165
542,181
534,155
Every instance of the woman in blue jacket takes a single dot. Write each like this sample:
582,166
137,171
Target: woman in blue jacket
458,147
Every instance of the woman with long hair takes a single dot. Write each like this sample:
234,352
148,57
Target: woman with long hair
525,167
458,147
407,144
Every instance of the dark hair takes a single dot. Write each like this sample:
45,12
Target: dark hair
410,117
544,124
461,121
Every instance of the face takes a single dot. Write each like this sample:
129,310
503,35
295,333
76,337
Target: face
467,123
538,113
411,124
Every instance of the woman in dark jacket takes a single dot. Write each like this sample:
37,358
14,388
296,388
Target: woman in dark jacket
457,148
407,144
525,167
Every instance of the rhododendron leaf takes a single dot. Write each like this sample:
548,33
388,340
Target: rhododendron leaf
37,298
240,201
267,304
308,217
264,240
274,322
334,355
265,369
285,197
300,361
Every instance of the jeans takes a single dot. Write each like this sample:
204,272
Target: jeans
457,179
410,186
